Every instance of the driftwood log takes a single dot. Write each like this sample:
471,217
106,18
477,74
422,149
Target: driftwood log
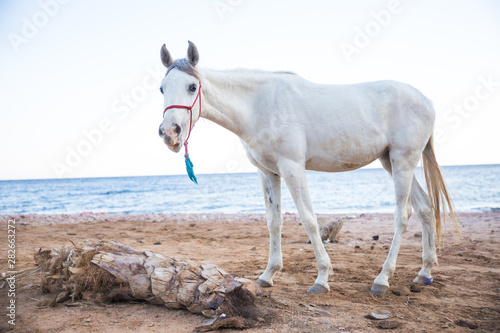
110,270
328,229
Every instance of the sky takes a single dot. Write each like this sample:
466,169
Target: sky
79,80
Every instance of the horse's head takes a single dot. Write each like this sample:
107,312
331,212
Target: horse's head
181,89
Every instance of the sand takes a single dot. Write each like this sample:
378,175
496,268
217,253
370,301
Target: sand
465,294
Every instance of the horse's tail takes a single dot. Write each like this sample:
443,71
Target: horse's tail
438,194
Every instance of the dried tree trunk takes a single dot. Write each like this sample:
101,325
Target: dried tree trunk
112,270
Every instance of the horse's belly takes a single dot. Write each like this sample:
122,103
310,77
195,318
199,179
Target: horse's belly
345,157
326,165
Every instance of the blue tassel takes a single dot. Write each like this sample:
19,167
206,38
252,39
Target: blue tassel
189,168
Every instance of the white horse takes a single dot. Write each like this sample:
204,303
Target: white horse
289,125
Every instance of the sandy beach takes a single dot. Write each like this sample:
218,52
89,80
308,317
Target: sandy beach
465,294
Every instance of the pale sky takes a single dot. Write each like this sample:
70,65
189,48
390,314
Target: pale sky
79,79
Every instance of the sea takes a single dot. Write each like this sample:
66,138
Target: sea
473,188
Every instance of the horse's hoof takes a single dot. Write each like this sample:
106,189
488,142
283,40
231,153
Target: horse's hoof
317,289
423,279
263,283
379,289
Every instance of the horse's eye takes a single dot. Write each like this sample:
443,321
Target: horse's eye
192,87
161,90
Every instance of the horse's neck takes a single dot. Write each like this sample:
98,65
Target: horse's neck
227,97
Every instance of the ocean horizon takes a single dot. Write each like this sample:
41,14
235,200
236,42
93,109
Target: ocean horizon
474,188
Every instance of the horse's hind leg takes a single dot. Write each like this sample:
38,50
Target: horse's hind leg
422,205
386,163
402,165
271,185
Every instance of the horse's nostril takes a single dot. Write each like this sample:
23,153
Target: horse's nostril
160,132
177,129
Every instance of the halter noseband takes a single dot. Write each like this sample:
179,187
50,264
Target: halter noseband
190,108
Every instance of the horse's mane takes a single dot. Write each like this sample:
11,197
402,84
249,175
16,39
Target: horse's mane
284,72
257,71
185,66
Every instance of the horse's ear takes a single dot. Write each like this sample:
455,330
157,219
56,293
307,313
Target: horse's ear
193,56
166,58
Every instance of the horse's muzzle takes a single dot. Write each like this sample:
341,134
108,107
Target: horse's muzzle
171,137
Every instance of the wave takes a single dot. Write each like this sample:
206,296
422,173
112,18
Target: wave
486,209
115,192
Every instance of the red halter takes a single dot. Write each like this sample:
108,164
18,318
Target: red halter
190,108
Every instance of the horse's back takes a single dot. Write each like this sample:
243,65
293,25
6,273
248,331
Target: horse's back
339,127
294,96
357,123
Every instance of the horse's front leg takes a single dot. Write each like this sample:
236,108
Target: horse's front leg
295,178
271,185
